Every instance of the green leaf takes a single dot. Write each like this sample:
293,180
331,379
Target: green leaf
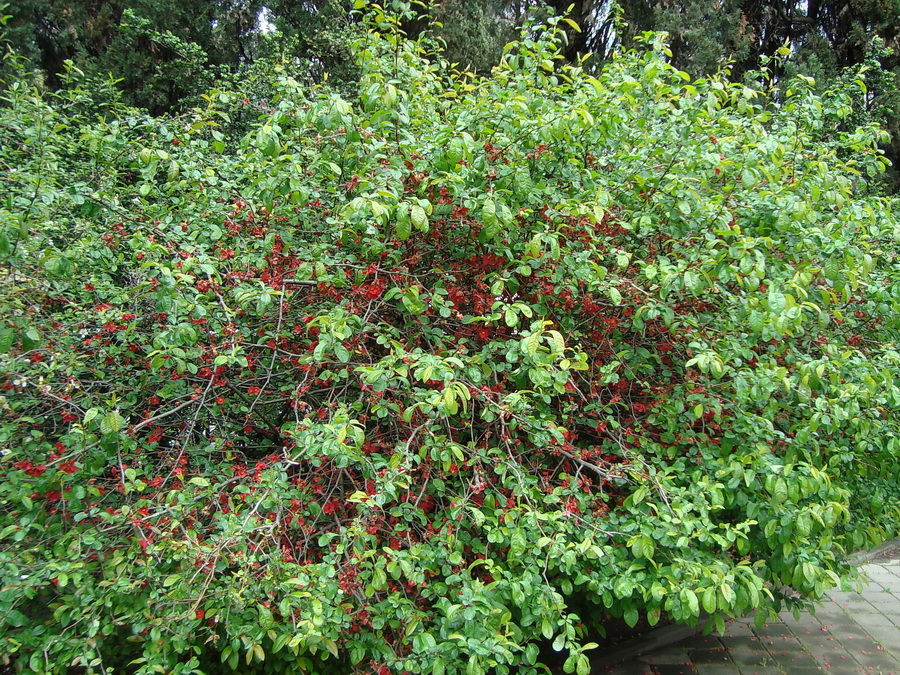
692,281
505,215
760,619
267,141
450,404
559,345
631,617
709,600
58,266
7,335
456,151
780,491
419,218
832,269
489,216
546,628
727,593
403,229
111,423
410,300
559,642
31,339
756,321
532,344
17,619
173,172
263,302
574,26
777,301
690,599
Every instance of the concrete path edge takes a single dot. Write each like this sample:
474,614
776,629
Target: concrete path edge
669,635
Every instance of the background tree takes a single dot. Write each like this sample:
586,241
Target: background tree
162,50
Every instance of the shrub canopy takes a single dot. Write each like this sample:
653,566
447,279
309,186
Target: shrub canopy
438,376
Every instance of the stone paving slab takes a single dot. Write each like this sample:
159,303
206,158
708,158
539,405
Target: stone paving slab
852,632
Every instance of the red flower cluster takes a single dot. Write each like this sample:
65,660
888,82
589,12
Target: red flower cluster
30,469
68,467
373,290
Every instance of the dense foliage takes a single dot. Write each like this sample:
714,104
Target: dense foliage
439,375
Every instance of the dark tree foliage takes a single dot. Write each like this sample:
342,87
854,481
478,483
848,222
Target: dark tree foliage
318,32
162,50
475,32
831,35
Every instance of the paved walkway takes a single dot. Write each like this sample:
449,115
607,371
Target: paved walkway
850,633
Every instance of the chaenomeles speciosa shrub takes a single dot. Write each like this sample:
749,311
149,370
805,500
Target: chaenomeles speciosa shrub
445,376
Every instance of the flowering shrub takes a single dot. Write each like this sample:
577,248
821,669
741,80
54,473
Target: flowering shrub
440,377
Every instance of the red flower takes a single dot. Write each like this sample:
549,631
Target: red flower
253,391
68,467
373,290
30,469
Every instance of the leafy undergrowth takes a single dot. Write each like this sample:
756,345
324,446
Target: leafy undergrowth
423,377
